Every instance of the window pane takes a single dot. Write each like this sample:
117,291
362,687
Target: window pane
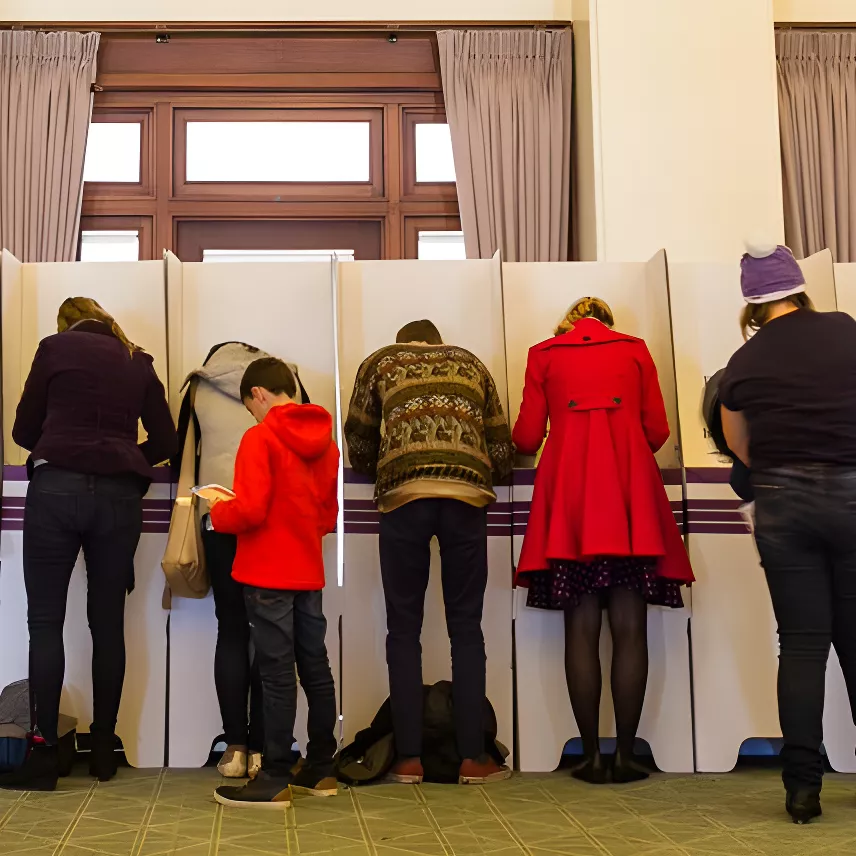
114,246
113,152
434,161
441,245
325,256
278,151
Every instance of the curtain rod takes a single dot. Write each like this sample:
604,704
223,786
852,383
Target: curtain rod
229,27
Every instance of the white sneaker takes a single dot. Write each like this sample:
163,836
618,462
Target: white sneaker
233,764
254,764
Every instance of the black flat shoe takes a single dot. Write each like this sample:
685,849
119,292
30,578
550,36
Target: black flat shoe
102,756
39,772
592,770
803,806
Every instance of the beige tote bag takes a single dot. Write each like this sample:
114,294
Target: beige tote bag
184,559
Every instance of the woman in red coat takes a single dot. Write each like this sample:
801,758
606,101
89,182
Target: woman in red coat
601,532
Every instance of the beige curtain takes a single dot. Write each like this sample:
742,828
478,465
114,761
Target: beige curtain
817,118
508,104
45,108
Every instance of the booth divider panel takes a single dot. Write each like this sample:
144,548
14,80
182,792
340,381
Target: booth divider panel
463,298
536,299
285,309
133,293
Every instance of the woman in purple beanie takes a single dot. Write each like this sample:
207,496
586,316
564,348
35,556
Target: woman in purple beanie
789,411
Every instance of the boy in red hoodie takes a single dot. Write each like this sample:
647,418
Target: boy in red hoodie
285,502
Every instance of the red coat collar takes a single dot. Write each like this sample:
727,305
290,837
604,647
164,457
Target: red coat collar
587,331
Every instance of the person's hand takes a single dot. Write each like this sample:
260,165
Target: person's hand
219,498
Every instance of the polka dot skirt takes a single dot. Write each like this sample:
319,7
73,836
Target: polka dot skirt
566,582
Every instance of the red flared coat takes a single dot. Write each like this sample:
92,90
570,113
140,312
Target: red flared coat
598,488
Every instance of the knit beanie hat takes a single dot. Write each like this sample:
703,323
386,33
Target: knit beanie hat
768,273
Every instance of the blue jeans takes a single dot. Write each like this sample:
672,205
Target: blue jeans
289,629
805,529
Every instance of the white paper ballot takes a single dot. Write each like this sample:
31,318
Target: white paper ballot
213,491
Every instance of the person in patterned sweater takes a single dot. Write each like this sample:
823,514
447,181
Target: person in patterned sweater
425,421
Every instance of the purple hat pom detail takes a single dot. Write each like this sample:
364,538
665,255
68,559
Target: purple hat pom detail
768,274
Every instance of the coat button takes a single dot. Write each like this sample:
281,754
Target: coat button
586,338
616,400
572,404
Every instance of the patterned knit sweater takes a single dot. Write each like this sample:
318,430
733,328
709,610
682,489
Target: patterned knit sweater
427,412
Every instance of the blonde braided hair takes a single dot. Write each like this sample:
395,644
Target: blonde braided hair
586,307
76,309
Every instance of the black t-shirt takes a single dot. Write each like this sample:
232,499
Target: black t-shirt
795,382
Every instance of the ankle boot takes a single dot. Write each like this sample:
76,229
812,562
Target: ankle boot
102,755
39,772
625,769
591,770
803,806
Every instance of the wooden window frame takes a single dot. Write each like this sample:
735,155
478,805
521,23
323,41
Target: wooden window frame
271,190
426,223
411,189
125,189
121,223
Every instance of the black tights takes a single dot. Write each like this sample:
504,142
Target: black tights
628,622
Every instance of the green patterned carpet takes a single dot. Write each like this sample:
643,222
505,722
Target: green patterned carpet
149,813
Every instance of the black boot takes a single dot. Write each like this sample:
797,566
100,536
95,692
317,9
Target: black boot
39,772
592,770
102,755
626,770
803,806
67,753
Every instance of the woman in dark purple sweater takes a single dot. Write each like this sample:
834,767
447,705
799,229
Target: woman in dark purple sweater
88,389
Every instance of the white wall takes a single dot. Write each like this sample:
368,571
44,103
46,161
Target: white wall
685,127
286,10
815,11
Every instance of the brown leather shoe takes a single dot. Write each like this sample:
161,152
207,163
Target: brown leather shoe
406,771
482,771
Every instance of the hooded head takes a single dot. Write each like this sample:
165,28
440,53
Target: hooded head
772,283
768,273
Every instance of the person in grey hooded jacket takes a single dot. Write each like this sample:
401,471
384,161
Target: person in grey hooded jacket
222,421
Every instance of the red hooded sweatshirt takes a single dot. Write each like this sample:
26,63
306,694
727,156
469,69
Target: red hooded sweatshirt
286,499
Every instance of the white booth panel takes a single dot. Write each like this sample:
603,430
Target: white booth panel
734,652
845,288
464,300
706,306
11,306
538,294
287,311
536,299
133,292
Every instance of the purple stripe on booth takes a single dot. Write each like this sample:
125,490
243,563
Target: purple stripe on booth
719,529
362,528
714,504
708,475
714,516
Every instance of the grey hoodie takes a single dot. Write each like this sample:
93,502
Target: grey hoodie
223,419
